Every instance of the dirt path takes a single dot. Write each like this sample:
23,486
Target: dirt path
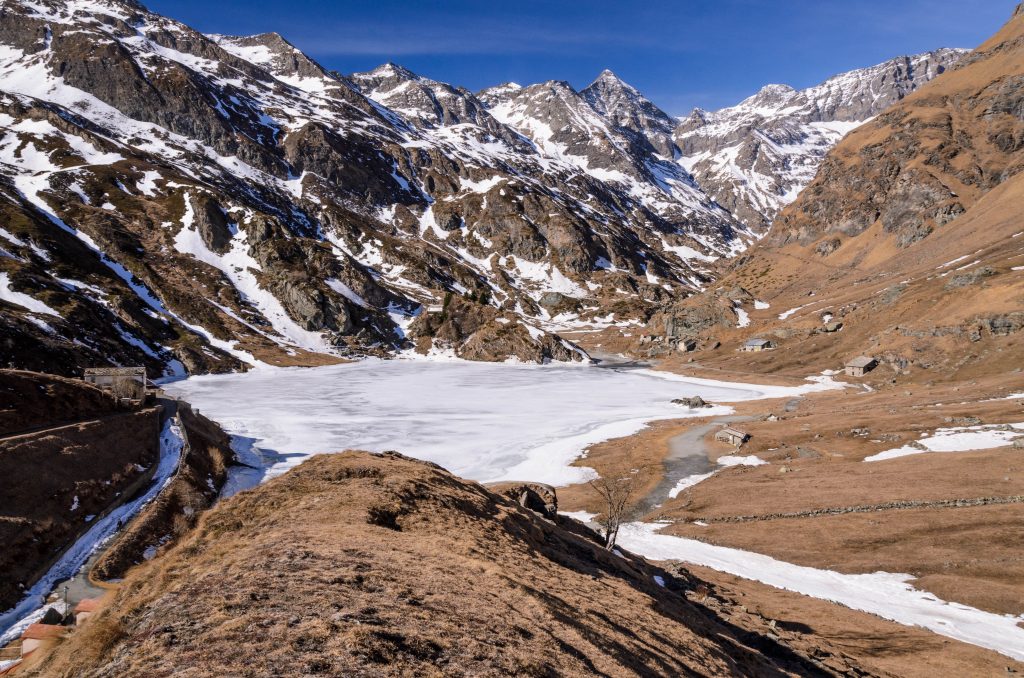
687,456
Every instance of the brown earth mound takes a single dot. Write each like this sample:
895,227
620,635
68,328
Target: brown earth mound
55,483
363,565
29,400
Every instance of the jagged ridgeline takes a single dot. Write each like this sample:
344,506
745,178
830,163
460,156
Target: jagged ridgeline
199,203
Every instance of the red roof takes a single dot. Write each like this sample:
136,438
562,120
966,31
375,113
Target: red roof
87,605
42,632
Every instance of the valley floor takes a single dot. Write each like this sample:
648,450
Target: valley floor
806,457
835,517
846,481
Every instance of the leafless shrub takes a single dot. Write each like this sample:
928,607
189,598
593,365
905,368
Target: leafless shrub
128,388
616,493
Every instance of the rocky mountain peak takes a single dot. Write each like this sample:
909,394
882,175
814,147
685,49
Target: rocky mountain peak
492,95
387,72
430,103
378,83
756,156
608,92
606,79
770,96
270,51
624,106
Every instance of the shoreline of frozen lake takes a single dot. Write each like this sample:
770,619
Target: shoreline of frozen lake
885,594
482,421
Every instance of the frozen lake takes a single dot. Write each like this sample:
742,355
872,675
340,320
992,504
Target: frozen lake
479,420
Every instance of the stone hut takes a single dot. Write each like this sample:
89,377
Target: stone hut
861,365
733,436
121,382
758,345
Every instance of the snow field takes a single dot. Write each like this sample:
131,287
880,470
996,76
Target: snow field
957,440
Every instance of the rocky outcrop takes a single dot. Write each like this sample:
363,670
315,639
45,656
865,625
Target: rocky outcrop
475,331
538,497
918,167
755,157
697,315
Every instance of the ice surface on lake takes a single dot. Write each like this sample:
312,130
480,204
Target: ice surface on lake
481,421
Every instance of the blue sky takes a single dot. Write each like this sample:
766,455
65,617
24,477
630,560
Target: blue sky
681,54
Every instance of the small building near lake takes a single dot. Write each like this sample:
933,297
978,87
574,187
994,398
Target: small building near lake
121,382
731,435
758,344
861,365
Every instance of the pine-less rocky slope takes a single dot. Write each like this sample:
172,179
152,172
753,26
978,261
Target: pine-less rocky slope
908,244
755,158
199,203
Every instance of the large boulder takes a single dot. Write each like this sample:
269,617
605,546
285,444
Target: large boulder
538,497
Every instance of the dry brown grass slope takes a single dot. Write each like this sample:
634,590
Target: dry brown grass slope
911,235
365,565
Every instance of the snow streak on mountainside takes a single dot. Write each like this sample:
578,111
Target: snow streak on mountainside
199,203
755,158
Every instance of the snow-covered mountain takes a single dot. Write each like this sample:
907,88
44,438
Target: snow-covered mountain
198,203
755,158
603,131
624,106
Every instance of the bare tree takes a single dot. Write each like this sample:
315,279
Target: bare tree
127,388
616,493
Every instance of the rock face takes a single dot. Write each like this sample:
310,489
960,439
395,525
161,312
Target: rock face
199,203
755,157
476,331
